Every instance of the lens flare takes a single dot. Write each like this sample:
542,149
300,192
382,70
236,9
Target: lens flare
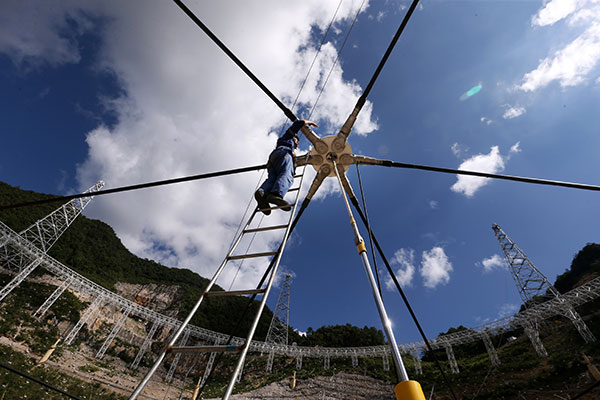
471,92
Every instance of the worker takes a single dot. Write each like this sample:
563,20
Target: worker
280,169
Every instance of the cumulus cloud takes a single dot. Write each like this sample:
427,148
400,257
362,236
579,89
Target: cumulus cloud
553,11
405,258
513,112
185,108
491,263
434,205
435,268
572,64
491,163
34,34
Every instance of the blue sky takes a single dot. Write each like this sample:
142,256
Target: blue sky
130,93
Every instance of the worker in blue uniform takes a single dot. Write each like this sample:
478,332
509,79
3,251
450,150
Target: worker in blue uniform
280,169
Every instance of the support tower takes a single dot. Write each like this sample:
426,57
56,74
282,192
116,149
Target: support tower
278,330
534,287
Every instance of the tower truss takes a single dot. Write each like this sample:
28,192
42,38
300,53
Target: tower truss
278,329
41,235
534,287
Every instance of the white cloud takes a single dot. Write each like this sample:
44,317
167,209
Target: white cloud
553,11
186,109
491,163
435,267
455,149
515,148
405,258
33,34
486,120
458,149
434,205
571,64
493,262
507,309
513,112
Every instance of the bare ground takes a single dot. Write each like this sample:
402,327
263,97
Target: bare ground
340,386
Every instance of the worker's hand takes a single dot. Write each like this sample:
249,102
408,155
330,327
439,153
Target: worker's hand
310,123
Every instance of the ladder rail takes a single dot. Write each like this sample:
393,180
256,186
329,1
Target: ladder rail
263,301
138,390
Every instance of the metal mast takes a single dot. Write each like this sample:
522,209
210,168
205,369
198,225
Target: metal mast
278,330
41,235
534,287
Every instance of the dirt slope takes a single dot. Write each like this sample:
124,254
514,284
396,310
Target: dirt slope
340,386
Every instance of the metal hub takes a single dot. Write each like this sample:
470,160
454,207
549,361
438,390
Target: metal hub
330,149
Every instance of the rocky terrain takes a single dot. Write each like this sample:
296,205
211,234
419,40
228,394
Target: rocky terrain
340,386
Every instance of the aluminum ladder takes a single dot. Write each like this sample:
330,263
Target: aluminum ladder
273,256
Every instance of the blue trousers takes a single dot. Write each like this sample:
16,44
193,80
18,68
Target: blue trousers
280,169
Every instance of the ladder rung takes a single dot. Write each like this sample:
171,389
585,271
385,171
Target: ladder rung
235,292
293,189
253,255
298,176
276,207
266,228
205,349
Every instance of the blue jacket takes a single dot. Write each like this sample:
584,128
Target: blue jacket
286,139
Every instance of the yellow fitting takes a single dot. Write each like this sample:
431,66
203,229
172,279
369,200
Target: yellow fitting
352,220
48,353
361,247
409,390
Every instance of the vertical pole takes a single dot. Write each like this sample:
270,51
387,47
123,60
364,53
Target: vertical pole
405,389
360,244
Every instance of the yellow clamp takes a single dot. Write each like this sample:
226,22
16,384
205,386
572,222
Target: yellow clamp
409,390
361,247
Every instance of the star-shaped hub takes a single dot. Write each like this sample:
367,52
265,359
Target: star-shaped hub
322,156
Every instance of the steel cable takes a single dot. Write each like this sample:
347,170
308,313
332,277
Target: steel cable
362,195
31,378
135,187
336,59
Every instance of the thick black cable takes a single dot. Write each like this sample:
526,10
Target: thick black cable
549,182
362,195
404,298
288,113
363,97
31,378
136,187
586,391
251,298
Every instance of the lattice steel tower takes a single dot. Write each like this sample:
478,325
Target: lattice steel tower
278,330
534,287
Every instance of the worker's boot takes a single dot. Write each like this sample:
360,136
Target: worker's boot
278,200
263,204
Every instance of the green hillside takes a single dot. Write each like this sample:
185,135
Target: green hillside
92,248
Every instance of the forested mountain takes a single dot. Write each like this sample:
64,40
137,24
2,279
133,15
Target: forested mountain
92,248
